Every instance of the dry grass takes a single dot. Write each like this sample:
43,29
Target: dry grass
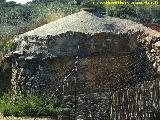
54,16
22,118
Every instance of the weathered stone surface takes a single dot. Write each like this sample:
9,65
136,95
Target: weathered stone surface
105,37
157,44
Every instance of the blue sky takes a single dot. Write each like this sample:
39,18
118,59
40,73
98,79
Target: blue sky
20,1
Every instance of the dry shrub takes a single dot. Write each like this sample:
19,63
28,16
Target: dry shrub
54,16
39,22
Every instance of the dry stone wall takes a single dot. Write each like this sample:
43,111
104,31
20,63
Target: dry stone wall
44,60
107,62
151,45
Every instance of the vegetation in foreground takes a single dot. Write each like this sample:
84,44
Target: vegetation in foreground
31,106
155,115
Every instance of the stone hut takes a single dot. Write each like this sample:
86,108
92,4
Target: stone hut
105,54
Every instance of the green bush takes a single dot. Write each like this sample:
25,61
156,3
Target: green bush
5,43
155,115
96,8
8,44
137,13
29,106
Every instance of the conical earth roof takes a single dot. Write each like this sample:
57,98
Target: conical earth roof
86,22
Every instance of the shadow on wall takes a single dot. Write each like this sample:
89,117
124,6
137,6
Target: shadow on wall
140,70
121,57
154,26
110,60
5,76
108,84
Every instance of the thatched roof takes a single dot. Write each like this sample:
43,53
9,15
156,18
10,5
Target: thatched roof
86,22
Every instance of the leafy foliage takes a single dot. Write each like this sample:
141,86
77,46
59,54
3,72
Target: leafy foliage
28,106
138,13
96,8
32,15
155,115
5,43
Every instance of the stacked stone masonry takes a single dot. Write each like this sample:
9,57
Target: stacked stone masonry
107,62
